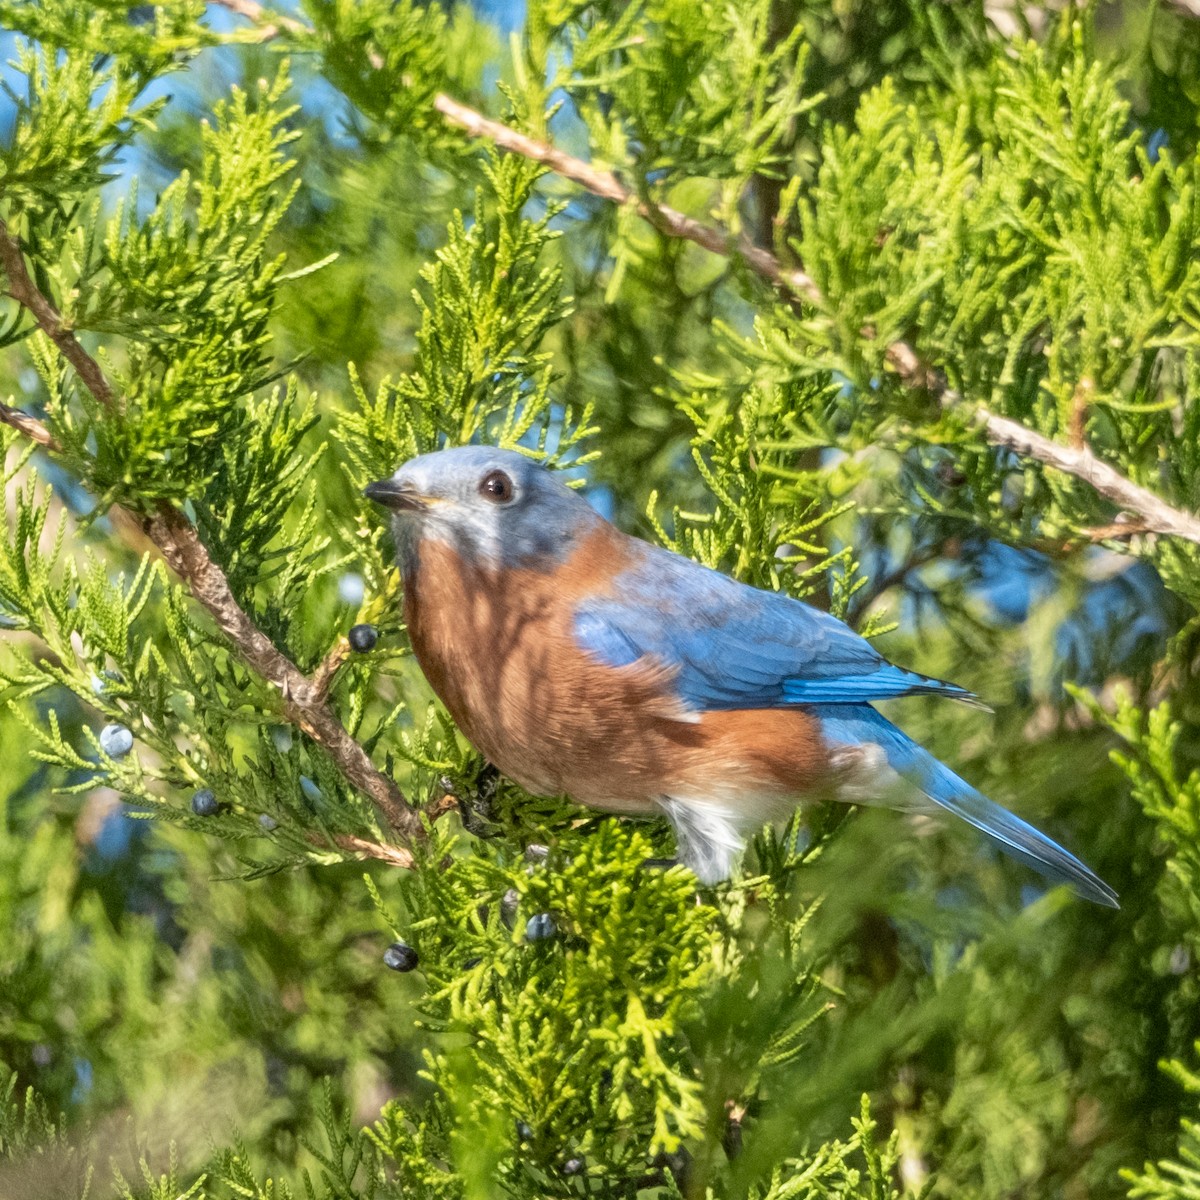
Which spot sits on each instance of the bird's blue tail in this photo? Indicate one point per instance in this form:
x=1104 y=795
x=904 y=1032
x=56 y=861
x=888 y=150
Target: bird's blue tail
x=856 y=725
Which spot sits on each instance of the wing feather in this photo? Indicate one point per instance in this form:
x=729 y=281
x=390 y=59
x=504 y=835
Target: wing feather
x=732 y=646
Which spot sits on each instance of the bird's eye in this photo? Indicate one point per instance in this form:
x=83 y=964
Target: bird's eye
x=496 y=487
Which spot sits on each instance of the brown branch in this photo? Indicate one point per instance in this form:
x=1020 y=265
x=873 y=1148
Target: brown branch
x=23 y=290
x=1130 y=527
x=608 y=187
x=1079 y=462
x=176 y=539
x=396 y=855
x=1081 y=402
x=322 y=677
x=31 y=427
x=591 y=178
x=876 y=588
x=1154 y=514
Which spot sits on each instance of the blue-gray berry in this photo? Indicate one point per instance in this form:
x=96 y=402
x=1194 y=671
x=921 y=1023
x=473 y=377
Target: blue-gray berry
x=400 y=957
x=539 y=927
x=363 y=638
x=310 y=789
x=573 y=1166
x=281 y=735
x=524 y=1132
x=116 y=741
x=204 y=803
x=267 y=822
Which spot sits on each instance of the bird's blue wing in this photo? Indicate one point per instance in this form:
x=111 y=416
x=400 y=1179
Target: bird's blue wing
x=733 y=646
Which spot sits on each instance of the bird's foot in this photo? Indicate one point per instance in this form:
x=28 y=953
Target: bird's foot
x=476 y=802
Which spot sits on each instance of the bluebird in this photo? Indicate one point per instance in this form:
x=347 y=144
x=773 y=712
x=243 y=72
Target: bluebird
x=585 y=662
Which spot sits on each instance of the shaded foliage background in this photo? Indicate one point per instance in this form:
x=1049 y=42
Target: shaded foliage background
x=1013 y=189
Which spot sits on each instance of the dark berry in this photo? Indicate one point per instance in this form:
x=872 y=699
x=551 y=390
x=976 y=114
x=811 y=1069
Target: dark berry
x=524 y=1133
x=204 y=803
x=268 y=822
x=363 y=638
x=471 y=964
x=116 y=741
x=573 y=1166
x=400 y=957
x=539 y=927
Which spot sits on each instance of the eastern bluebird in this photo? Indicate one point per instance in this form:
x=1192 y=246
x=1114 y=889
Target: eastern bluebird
x=585 y=662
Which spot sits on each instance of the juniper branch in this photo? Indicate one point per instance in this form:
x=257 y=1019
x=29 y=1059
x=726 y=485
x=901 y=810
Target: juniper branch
x=607 y=186
x=31 y=427
x=328 y=667
x=1154 y=514
x=23 y=290
x=793 y=282
x=1083 y=464
x=176 y=539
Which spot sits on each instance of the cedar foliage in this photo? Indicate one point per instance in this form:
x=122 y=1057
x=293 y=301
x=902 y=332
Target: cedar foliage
x=294 y=274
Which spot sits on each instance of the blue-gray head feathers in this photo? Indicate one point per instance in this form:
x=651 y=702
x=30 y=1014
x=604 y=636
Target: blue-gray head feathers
x=495 y=507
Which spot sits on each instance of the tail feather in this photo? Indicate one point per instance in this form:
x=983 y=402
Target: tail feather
x=1014 y=836
x=1009 y=832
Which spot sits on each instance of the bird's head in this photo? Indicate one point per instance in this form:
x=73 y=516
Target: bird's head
x=495 y=507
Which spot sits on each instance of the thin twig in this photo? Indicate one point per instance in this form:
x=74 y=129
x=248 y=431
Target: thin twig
x=328 y=667
x=176 y=539
x=1081 y=403
x=31 y=427
x=396 y=855
x=883 y=583
x=23 y=290
x=267 y=27
x=1154 y=514
x=608 y=187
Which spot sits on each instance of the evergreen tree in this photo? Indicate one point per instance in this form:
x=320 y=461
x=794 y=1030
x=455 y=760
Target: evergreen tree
x=894 y=307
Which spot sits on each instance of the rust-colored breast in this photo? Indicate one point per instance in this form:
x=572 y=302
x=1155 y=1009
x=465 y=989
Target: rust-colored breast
x=498 y=648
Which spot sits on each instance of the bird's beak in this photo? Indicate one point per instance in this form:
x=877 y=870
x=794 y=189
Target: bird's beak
x=399 y=497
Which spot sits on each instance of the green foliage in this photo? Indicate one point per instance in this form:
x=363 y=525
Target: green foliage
x=294 y=277
x=669 y=83
x=1167 y=797
x=835 y=1173
x=1173 y=1179
x=1020 y=230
